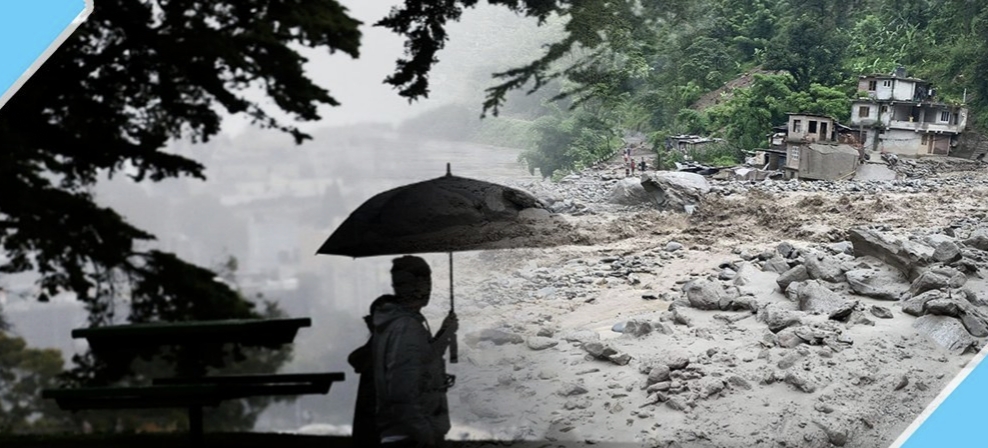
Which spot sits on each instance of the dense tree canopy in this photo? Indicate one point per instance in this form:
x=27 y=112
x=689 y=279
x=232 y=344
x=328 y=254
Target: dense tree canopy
x=24 y=372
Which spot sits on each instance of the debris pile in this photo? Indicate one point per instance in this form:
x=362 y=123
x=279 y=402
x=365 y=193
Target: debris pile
x=721 y=333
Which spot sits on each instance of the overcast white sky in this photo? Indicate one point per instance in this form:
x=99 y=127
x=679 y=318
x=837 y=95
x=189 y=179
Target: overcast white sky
x=357 y=83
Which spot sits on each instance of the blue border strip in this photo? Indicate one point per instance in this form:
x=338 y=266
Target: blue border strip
x=956 y=417
x=30 y=32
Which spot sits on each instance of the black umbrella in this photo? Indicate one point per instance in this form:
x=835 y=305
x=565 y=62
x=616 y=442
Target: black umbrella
x=447 y=214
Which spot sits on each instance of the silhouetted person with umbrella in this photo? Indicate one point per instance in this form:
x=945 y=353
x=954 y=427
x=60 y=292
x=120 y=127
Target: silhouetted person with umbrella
x=442 y=215
x=409 y=371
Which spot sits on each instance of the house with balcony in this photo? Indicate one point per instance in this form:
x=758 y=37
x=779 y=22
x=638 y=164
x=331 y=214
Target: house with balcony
x=901 y=115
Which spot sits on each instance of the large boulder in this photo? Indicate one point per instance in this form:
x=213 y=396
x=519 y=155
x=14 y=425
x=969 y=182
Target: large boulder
x=936 y=239
x=918 y=250
x=947 y=252
x=794 y=275
x=629 y=191
x=776 y=264
x=637 y=328
x=940 y=278
x=975 y=325
x=778 y=318
x=908 y=258
x=875 y=284
x=582 y=336
x=814 y=297
x=945 y=331
x=916 y=306
x=928 y=281
x=824 y=267
x=978 y=239
x=704 y=295
x=678 y=191
x=956 y=278
x=944 y=307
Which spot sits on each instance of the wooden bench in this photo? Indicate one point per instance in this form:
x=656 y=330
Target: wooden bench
x=197 y=391
x=187 y=392
x=252 y=332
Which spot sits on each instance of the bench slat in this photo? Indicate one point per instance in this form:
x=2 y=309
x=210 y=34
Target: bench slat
x=79 y=404
x=245 y=391
x=261 y=332
x=136 y=391
x=141 y=397
x=312 y=378
x=172 y=396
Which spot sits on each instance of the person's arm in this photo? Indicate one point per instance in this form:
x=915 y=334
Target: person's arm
x=441 y=342
x=408 y=345
x=445 y=334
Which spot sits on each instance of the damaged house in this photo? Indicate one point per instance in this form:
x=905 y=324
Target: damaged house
x=688 y=144
x=817 y=147
x=901 y=115
x=803 y=128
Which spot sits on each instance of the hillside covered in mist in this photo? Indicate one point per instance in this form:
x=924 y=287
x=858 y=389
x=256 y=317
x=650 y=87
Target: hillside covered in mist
x=668 y=76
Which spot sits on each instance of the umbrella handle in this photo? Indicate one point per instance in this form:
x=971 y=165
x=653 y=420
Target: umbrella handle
x=454 y=350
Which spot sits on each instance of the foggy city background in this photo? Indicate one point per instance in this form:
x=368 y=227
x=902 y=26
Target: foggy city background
x=270 y=203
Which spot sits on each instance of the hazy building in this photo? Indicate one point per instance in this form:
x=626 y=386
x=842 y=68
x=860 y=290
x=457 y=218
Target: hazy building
x=902 y=115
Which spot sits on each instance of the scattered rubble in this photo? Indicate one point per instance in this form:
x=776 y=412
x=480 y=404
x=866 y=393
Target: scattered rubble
x=720 y=331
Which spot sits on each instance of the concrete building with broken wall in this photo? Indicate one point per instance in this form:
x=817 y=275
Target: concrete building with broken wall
x=901 y=115
x=817 y=147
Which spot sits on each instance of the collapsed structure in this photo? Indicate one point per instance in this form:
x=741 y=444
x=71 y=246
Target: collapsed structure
x=815 y=147
x=687 y=144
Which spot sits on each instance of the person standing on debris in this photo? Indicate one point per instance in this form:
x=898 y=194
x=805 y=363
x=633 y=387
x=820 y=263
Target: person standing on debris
x=632 y=163
x=643 y=166
x=409 y=371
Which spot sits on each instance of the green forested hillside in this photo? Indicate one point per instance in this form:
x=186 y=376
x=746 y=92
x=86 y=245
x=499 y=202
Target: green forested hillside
x=654 y=67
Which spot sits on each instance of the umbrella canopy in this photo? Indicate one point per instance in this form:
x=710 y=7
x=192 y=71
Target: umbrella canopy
x=446 y=214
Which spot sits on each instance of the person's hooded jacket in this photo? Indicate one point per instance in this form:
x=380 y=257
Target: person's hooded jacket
x=409 y=377
x=365 y=410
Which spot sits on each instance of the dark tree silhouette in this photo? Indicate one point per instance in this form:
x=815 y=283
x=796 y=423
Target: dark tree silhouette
x=133 y=77
x=590 y=24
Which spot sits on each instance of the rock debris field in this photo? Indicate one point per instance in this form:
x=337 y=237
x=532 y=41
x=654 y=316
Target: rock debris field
x=726 y=314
